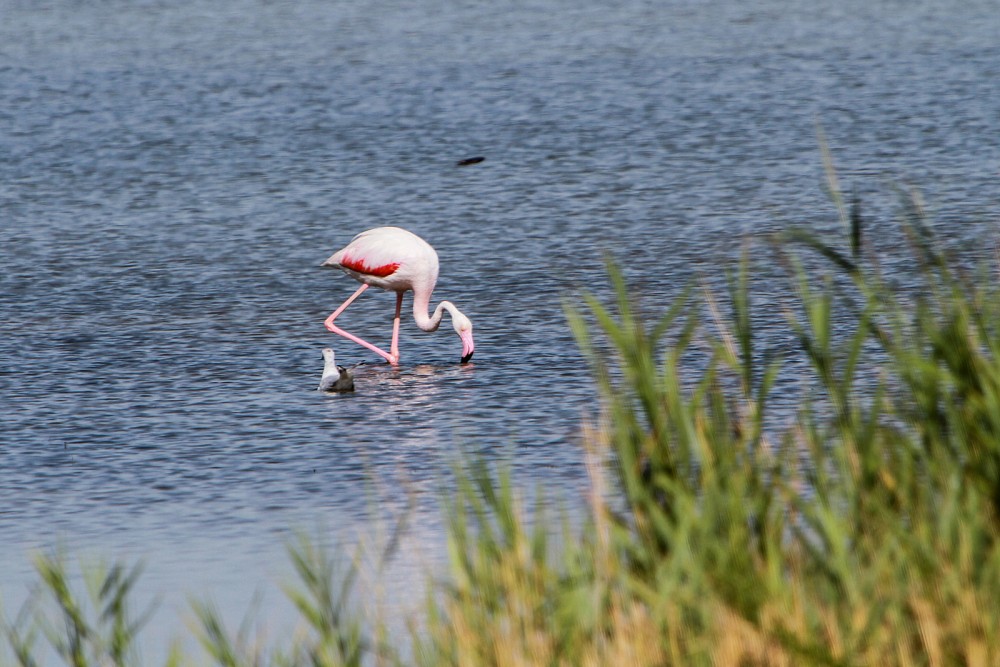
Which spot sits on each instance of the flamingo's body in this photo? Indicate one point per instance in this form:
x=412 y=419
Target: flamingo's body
x=335 y=378
x=398 y=260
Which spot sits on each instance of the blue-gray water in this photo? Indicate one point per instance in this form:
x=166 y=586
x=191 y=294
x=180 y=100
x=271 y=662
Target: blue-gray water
x=173 y=173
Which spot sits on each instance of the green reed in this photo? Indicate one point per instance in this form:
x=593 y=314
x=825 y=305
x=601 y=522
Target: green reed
x=863 y=532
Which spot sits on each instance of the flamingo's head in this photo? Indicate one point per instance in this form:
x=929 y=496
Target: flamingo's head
x=463 y=327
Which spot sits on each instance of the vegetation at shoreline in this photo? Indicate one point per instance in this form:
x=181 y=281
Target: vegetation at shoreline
x=863 y=530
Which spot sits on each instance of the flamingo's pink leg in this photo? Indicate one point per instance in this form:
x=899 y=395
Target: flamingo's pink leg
x=394 y=347
x=330 y=326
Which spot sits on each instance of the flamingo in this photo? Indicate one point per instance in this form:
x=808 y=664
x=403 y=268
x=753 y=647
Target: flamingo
x=395 y=259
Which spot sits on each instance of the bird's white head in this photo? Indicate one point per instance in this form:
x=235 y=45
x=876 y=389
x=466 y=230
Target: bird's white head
x=330 y=364
x=463 y=327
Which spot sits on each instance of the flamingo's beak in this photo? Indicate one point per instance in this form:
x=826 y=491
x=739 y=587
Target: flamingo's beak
x=468 y=347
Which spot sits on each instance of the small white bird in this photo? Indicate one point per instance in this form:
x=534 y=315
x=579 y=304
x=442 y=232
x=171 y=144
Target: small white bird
x=335 y=378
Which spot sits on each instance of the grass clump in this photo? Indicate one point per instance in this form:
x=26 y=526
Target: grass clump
x=96 y=628
x=860 y=528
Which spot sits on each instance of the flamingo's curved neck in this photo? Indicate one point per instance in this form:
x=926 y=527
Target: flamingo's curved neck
x=421 y=302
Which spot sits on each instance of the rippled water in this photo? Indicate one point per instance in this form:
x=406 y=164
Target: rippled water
x=172 y=174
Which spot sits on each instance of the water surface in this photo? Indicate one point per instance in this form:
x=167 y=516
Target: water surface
x=172 y=174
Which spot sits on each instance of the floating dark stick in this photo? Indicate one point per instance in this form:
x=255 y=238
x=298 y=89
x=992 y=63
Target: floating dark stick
x=856 y=225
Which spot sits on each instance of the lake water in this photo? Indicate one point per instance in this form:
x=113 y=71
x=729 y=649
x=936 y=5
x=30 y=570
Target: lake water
x=173 y=173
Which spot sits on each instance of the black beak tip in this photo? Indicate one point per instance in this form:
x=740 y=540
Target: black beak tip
x=466 y=358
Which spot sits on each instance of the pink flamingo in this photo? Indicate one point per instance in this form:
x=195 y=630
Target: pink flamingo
x=398 y=260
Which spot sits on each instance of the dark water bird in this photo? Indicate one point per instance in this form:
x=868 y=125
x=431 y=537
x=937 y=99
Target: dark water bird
x=335 y=378
x=398 y=260
x=469 y=160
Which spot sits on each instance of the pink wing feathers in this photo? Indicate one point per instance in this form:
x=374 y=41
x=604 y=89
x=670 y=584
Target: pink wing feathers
x=388 y=257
